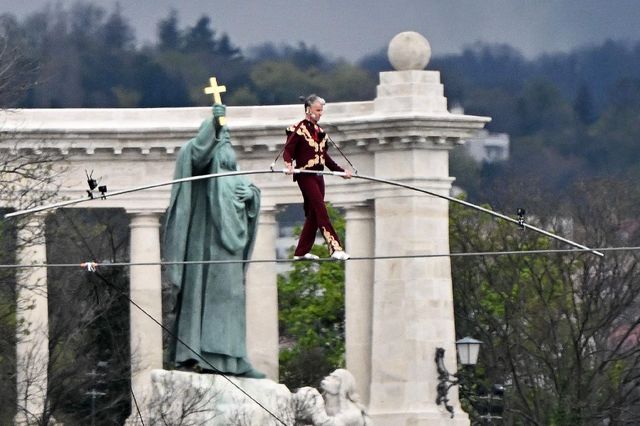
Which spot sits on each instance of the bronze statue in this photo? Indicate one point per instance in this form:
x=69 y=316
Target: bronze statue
x=211 y=220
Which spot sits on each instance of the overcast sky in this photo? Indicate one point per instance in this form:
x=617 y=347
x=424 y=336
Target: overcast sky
x=354 y=28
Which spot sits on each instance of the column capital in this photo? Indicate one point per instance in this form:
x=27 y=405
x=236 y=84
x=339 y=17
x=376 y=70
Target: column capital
x=268 y=208
x=144 y=212
x=362 y=210
x=144 y=219
x=268 y=214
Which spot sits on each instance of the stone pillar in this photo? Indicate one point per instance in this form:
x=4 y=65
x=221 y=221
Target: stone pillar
x=412 y=298
x=146 y=291
x=360 y=240
x=32 y=315
x=262 y=299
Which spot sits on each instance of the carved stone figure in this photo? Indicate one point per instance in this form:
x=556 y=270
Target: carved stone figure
x=338 y=405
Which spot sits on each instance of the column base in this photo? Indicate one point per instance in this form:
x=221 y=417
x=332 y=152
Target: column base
x=424 y=418
x=22 y=419
x=176 y=397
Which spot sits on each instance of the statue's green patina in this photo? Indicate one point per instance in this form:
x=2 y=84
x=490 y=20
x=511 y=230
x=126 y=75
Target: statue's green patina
x=212 y=219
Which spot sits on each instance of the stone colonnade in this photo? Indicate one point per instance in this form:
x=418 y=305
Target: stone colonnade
x=397 y=310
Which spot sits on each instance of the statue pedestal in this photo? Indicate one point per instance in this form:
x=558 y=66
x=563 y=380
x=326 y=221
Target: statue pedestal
x=177 y=397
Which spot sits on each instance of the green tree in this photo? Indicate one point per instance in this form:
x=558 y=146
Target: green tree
x=542 y=107
x=17 y=68
x=465 y=169
x=611 y=148
x=282 y=82
x=8 y=326
x=200 y=37
x=27 y=179
x=557 y=328
x=346 y=82
x=117 y=34
x=89 y=317
x=311 y=316
x=302 y=56
x=169 y=35
x=583 y=105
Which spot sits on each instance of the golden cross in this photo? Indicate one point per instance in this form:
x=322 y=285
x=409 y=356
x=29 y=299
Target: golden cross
x=215 y=90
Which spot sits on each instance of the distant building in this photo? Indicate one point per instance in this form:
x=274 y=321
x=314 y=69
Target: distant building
x=488 y=147
x=484 y=146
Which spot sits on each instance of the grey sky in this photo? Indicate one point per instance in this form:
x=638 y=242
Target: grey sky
x=353 y=28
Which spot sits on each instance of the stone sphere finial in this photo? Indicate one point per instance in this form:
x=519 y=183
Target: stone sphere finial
x=409 y=50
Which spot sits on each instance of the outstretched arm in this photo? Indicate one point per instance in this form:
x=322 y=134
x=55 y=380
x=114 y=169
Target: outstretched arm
x=209 y=135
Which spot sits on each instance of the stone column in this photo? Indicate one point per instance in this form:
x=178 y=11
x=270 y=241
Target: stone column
x=32 y=315
x=262 y=299
x=360 y=240
x=146 y=292
x=413 y=300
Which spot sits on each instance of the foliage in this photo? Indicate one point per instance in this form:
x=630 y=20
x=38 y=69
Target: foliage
x=311 y=315
x=86 y=57
x=27 y=179
x=8 y=326
x=16 y=69
x=559 y=330
x=89 y=317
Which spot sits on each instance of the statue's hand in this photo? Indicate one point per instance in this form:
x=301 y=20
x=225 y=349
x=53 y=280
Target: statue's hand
x=308 y=403
x=243 y=192
x=219 y=110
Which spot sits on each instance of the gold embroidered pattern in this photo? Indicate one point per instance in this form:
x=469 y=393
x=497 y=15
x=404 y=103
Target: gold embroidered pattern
x=318 y=147
x=333 y=244
x=315 y=160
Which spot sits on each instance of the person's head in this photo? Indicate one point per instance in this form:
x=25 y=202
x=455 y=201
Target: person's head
x=340 y=388
x=314 y=107
x=341 y=382
x=224 y=157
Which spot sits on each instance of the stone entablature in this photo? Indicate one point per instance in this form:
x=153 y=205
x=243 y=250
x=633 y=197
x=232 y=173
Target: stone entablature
x=119 y=131
x=132 y=147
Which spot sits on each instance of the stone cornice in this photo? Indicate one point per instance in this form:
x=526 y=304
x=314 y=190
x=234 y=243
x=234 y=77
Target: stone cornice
x=126 y=146
x=354 y=125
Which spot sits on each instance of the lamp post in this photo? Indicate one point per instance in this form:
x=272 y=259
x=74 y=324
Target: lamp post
x=468 y=350
x=491 y=405
x=97 y=379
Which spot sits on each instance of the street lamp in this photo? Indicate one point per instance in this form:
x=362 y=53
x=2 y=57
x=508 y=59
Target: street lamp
x=468 y=349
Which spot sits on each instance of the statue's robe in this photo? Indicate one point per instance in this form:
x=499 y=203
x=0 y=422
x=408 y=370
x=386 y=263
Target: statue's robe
x=207 y=221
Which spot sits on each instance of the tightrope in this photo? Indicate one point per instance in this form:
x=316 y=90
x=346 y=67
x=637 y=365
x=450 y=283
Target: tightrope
x=521 y=224
x=92 y=266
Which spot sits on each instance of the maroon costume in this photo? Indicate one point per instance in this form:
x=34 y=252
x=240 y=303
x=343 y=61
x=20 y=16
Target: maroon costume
x=307 y=144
